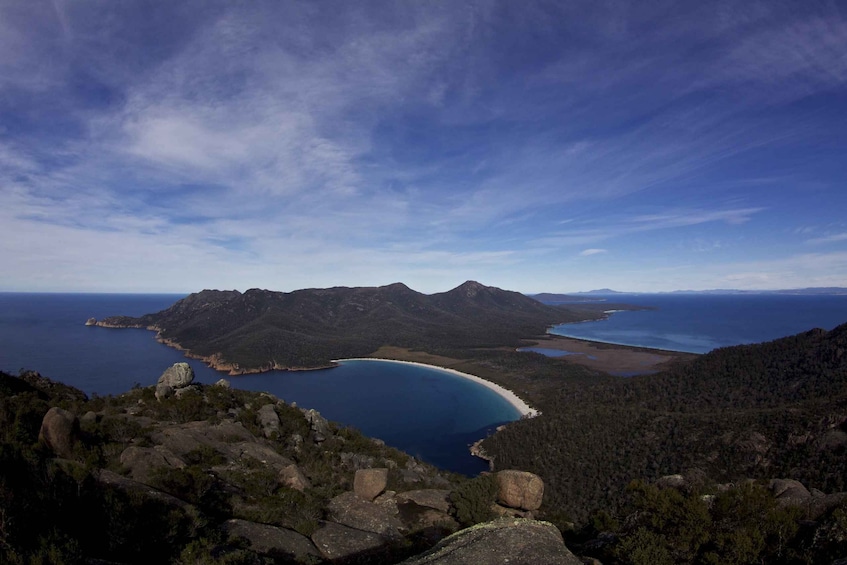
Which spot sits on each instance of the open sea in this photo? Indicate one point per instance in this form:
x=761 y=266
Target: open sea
x=699 y=323
x=427 y=413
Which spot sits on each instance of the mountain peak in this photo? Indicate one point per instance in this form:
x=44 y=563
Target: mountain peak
x=470 y=288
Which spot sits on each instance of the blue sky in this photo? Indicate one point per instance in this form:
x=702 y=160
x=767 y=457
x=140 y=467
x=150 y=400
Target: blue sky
x=534 y=146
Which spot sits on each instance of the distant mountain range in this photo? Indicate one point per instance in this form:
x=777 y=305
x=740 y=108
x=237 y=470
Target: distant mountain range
x=829 y=291
x=261 y=330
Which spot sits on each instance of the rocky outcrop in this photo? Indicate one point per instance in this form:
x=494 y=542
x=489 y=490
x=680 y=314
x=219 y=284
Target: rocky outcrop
x=370 y=483
x=377 y=517
x=175 y=377
x=223 y=383
x=318 y=424
x=336 y=542
x=438 y=499
x=272 y=541
x=141 y=462
x=513 y=541
x=111 y=479
x=178 y=375
x=520 y=489
x=59 y=431
x=269 y=420
x=91 y=322
x=788 y=492
x=229 y=439
x=292 y=477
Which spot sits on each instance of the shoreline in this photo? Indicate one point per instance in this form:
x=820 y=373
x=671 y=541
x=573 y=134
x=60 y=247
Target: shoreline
x=525 y=410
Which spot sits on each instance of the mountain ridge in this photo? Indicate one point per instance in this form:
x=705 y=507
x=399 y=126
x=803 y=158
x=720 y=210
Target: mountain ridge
x=260 y=330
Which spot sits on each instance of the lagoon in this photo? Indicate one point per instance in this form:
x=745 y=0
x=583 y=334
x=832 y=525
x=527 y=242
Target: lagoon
x=698 y=323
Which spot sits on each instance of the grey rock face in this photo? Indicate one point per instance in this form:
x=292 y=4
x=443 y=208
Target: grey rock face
x=319 y=425
x=520 y=489
x=335 y=541
x=223 y=383
x=512 y=541
x=272 y=541
x=177 y=375
x=269 y=420
x=59 y=431
x=350 y=510
x=369 y=483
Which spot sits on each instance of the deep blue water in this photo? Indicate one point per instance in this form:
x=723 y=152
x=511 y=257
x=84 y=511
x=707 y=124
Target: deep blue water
x=425 y=412
x=700 y=323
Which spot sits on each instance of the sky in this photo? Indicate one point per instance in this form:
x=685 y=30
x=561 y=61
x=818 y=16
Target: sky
x=151 y=146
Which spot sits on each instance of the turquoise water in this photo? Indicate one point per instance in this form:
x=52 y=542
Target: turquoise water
x=700 y=323
x=426 y=412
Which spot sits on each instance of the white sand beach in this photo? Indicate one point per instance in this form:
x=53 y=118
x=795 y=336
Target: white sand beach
x=513 y=399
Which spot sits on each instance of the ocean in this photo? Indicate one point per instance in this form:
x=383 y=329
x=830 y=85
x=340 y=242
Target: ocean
x=427 y=413
x=698 y=323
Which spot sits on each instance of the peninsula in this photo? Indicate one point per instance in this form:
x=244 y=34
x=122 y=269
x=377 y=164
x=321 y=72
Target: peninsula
x=262 y=330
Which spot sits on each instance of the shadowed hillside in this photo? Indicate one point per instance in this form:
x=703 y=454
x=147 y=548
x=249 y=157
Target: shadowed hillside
x=261 y=329
x=776 y=409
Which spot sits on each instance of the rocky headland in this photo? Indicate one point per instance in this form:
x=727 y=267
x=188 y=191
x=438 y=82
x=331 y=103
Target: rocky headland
x=235 y=476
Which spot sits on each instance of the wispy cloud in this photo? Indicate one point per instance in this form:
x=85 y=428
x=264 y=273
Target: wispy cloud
x=592 y=251
x=834 y=238
x=298 y=146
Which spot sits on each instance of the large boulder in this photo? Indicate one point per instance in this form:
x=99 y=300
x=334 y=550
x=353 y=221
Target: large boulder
x=272 y=541
x=350 y=510
x=336 y=542
x=370 y=483
x=59 y=431
x=177 y=376
x=789 y=492
x=269 y=420
x=519 y=489
x=319 y=425
x=292 y=477
x=512 y=540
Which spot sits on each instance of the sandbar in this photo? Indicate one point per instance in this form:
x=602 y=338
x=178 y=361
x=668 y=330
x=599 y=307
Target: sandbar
x=525 y=409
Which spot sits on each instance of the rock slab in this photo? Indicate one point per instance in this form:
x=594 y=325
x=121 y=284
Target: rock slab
x=272 y=541
x=520 y=489
x=350 y=510
x=335 y=541
x=512 y=541
x=370 y=483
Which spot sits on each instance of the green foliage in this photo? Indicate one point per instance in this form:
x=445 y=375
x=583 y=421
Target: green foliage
x=739 y=526
x=644 y=547
x=473 y=499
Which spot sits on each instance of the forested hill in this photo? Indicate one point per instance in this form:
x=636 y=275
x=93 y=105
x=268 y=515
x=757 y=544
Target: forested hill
x=262 y=329
x=776 y=409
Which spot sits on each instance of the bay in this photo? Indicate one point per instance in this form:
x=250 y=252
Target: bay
x=698 y=323
x=428 y=413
